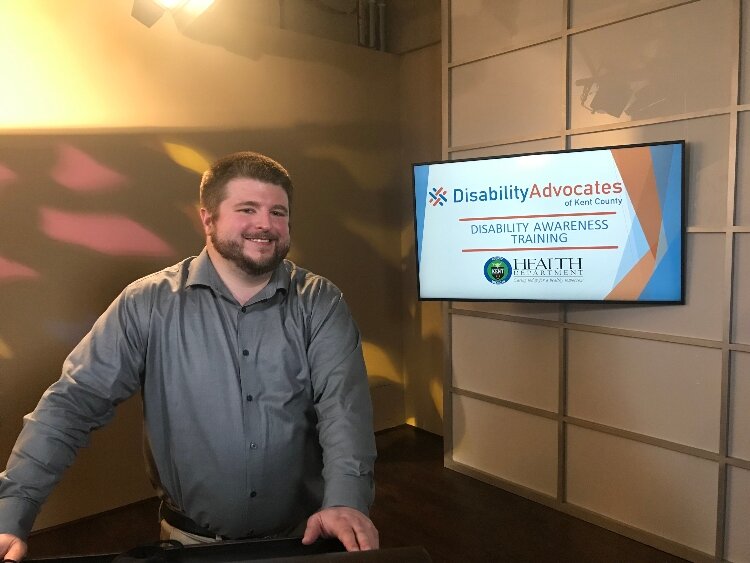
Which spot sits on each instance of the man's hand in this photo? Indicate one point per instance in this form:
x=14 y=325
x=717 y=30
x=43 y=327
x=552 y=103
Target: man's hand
x=352 y=528
x=11 y=547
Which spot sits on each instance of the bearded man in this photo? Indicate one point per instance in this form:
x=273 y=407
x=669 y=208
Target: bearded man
x=257 y=413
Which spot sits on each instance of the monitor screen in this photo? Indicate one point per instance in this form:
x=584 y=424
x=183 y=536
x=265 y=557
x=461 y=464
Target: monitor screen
x=588 y=225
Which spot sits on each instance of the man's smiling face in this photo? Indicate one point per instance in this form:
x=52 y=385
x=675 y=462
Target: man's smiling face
x=251 y=226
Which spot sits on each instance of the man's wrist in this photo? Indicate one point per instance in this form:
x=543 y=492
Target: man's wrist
x=352 y=492
x=17 y=516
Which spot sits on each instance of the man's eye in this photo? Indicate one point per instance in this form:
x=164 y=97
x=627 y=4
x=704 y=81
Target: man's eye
x=280 y=213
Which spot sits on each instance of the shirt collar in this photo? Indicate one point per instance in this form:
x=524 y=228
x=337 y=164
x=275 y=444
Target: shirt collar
x=202 y=272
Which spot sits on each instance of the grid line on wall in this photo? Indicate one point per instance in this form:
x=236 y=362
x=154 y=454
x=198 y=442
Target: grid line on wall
x=724 y=463
x=528 y=45
x=655 y=7
x=719 y=230
x=617 y=126
x=605 y=428
x=729 y=231
x=521 y=407
x=598 y=329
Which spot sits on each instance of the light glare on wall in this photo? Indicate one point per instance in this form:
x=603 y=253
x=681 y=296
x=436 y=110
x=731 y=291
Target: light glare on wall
x=148 y=12
x=168 y=4
x=188 y=10
x=196 y=7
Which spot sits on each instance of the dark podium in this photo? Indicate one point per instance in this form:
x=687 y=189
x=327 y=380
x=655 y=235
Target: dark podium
x=271 y=551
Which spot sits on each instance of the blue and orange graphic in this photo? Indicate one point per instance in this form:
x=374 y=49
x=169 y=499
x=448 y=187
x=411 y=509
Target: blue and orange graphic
x=652 y=177
x=437 y=196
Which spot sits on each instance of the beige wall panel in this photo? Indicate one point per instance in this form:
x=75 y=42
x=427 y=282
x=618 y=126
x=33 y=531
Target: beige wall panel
x=697 y=318
x=667 y=63
x=738 y=515
x=667 y=493
x=741 y=295
x=499 y=98
x=541 y=145
x=742 y=198
x=745 y=55
x=588 y=12
x=546 y=311
x=660 y=389
x=739 y=407
x=706 y=156
x=511 y=445
x=512 y=361
x=480 y=28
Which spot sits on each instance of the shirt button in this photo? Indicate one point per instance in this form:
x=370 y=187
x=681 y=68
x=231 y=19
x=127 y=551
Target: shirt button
x=253 y=446
x=244 y=309
x=245 y=352
x=249 y=397
x=253 y=494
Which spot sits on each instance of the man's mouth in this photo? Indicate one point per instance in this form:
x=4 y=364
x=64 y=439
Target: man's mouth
x=259 y=239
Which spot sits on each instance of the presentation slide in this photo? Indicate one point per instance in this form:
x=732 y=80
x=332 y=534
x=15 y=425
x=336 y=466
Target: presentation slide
x=588 y=225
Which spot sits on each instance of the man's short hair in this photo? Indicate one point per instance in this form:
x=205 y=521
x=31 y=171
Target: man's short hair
x=245 y=164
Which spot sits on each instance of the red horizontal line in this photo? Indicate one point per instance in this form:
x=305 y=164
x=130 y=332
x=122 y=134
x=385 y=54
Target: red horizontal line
x=540 y=248
x=538 y=216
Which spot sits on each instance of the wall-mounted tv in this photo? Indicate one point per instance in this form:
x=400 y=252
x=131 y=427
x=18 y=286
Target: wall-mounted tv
x=590 y=225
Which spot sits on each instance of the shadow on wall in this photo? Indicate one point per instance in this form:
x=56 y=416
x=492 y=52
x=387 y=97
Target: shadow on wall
x=88 y=214
x=424 y=345
x=639 y=87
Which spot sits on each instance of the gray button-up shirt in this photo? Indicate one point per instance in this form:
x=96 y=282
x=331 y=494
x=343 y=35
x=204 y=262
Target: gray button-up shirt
x=256 y=415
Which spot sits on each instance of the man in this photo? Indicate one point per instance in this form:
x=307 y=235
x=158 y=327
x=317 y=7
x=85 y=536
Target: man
x=257 y=412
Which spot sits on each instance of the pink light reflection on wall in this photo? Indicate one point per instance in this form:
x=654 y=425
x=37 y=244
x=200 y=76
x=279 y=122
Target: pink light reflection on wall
x=13 y=270
x=6 y=175
x=77 y=170
x=114 y=235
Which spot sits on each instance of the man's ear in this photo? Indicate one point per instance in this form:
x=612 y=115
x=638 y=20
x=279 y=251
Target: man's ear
x=207 y=219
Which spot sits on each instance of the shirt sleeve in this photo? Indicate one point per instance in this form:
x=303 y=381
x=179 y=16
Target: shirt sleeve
x=101 y=372
x=343 y=406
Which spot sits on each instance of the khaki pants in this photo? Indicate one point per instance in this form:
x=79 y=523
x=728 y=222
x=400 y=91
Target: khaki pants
x=169 y=532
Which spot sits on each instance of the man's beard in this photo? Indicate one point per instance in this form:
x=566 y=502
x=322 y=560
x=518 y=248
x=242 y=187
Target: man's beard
x=232 y=250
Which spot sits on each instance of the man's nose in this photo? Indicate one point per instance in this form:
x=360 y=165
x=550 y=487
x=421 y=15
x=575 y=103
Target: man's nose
x=262 y=221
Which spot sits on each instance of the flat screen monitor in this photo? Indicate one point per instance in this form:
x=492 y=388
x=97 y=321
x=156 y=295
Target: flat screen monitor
x=591 y=225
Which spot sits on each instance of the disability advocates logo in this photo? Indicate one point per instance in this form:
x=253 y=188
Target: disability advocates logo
x=438 y=197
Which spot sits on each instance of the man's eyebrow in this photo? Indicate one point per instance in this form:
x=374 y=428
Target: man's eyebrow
x=252 y=203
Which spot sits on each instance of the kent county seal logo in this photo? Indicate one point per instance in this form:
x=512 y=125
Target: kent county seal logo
x=497 y=270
